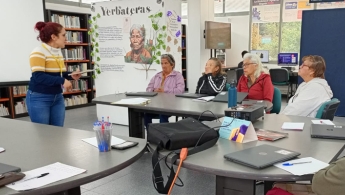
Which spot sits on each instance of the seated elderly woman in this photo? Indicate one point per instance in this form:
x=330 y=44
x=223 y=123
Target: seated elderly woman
x=254 y=80
x=313 y=92
x=213 y=80
x=166 y=81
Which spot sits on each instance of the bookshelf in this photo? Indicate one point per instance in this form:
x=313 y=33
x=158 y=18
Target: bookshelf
x=184 y=56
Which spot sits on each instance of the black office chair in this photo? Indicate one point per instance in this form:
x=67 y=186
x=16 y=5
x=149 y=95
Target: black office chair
x=280 y=77
x=239 y=73
x=330 y=108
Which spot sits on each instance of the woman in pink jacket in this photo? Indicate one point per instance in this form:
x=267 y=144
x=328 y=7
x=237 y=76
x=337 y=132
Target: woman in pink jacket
x=166 y=81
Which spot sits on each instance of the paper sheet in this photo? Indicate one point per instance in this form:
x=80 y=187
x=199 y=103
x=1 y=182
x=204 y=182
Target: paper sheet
x=293 y=126
x=81 y=72
x=114 y=141
x=205 y=99
x=57 y=172
x=303 y=169
x=322 y=122
x=132 y=101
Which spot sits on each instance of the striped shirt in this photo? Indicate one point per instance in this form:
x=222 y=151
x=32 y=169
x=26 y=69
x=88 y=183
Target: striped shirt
x=48 y=70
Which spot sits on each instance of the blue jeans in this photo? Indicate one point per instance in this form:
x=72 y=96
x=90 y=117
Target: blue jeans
x=46 y=109
x=148 y=119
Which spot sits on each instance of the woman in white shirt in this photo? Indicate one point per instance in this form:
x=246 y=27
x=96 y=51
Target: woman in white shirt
x=313 y=92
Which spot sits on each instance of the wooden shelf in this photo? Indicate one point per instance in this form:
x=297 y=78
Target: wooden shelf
x=183 y=36
x=76 y=44
x=183 y=58
x=78 y=61
x=19 y=96
x=76 y=29
x=183 y=69
x=75 y=92
x=183 y=48
x=4 y=99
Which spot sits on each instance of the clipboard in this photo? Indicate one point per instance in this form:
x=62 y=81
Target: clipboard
x=81 y=72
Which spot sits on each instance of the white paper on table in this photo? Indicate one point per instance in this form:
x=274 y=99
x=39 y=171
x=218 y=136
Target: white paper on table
x=114 y=141
x=132 y=101
x=293 y=126
x=57 y=172
x=205 y=99
x=303 y=169
x=322 y=122
x=81 y=72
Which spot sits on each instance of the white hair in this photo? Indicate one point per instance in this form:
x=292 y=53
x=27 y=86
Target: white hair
x=137 y=27
x=253 y=58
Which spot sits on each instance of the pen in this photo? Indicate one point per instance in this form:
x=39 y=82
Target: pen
x=290 y=164
x=42 y=175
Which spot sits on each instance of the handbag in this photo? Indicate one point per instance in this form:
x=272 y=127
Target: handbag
x=186 y=133
x=10 y=177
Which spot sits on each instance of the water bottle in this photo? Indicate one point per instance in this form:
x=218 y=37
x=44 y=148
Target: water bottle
x=232 y=95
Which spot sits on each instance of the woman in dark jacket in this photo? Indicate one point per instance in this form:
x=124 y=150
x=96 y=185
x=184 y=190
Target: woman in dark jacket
x=213 y=80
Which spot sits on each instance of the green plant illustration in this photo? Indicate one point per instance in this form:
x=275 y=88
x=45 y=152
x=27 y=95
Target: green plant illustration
x=155 y=43
x=95 y=45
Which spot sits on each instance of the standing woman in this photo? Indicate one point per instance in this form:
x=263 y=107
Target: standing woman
x=44 y=99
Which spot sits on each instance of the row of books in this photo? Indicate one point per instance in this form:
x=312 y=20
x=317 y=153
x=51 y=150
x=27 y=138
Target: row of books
x=74 y=37
x=80 y=67
x=76 y=100
x=20 y=90
x=3 y=110
x=20 y=107
x=66 y=21
x=77 y=53
x=80 y=85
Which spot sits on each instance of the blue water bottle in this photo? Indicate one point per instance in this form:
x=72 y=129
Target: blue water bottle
x=232 y=95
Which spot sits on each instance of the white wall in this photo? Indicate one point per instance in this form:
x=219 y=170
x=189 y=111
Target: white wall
x=68 y=8
x=240 y=37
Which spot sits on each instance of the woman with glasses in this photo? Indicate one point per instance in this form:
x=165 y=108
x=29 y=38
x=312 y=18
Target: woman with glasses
x=166 y=81
x=254 y=80
x=313 y=92
x=213 y=80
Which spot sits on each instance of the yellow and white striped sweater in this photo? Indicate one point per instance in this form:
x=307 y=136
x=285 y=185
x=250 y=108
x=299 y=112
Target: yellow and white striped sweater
x=48 y=70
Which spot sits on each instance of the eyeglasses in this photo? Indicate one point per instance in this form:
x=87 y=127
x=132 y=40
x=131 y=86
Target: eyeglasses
x=247 y=64
x=303 y=65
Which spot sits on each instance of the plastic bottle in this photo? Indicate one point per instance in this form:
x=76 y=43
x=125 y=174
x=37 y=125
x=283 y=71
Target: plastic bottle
x=232 y=95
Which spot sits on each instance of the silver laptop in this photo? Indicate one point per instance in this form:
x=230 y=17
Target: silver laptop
x=327 y=131
x=191 y=95
x=4 y=168
x=262 y=156
x=223 y=97
x=145 y=94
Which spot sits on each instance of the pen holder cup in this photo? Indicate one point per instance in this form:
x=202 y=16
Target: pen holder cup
x=104 y=139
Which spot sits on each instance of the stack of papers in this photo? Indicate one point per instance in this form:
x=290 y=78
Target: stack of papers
x=114 y=141
x=309 y=166
x=322 y=122
x=51 y=173
x=205 y=99
x=132 y=101
x=293 y=126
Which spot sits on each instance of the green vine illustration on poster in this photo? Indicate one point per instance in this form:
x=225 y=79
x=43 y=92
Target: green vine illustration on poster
x=95 y=45
x=155 y=43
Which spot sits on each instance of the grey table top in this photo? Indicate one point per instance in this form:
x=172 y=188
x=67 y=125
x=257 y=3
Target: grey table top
x=211 y=161
x=29 y=146
x=171 y=104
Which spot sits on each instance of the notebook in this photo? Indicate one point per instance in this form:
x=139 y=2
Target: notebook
x=223 y=97
x=4 y=168
x=191 y=95
x=262 y=156
x=147 y=94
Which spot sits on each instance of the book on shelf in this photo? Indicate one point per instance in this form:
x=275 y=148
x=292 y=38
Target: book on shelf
x=77 y=53
x=269 y=135
x=3 y=110
x=20 y=90
x=66 y=21
x=76 y=100
x=20 y=107
x=81 y=67
x=74 y=37
x=80 y=85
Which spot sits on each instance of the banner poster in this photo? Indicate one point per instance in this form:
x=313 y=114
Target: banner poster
x=292 y=10
x=330 y=5
x=128 y=38
x=265 y=11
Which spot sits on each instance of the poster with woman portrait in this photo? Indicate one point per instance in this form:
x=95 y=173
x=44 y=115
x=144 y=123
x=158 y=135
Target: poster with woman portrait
x=128 y=38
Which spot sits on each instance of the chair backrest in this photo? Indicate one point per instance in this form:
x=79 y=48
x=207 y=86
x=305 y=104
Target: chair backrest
x=327 y=109
x=239 y=73
x=279 y=75
x=277 y=101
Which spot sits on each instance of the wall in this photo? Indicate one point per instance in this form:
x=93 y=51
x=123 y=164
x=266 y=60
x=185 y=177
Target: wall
x=68 y=8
